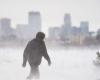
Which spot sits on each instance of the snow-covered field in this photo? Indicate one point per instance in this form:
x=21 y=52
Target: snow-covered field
x=67 y=64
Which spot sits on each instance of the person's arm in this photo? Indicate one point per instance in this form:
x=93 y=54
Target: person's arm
x=24 y=59
x=25 y=55
x=45 y=54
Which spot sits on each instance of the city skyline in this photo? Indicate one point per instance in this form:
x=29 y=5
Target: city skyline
x=65 y=32
x=52 y=11
x=22 y=31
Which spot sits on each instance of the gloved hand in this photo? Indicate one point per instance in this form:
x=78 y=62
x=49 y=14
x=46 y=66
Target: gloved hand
x=24 y=65
x=49 y=63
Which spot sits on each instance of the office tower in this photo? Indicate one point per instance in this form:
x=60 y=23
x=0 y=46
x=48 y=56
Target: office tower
x=84 y=26
x=28 y=31
x=34 y=21
x=5 y=24
x=67 y=20
x=66 y=27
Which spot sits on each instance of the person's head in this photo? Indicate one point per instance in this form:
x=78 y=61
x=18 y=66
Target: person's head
x=40 y=35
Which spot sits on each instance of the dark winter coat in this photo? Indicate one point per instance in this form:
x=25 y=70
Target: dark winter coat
x=34 y=51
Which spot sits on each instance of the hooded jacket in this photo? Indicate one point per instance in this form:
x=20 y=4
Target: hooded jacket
x=34 y=52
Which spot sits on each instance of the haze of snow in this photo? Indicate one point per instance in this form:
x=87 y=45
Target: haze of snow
x=67 y=64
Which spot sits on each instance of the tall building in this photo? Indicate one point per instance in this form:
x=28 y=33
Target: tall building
x=34 y=21
x=28 y=31
x=5 y=24
x=67 y=20
x=84 y=26
x=66 y=27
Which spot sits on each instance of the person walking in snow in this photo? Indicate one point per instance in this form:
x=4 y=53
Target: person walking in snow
x=33 y=54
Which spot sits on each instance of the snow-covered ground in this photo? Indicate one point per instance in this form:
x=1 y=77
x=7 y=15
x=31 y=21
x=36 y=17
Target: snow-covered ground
x=67 y=64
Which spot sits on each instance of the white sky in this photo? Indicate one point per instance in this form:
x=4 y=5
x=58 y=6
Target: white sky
x=52 y=11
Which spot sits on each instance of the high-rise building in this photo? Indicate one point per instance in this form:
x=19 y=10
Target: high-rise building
x=67 y=20
x=66 y=27
x=28 y=31
x=84 y=26
x=5 y=24
x=34 y=21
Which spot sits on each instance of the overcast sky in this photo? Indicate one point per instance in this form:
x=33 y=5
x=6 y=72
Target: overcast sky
x=52 y=11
